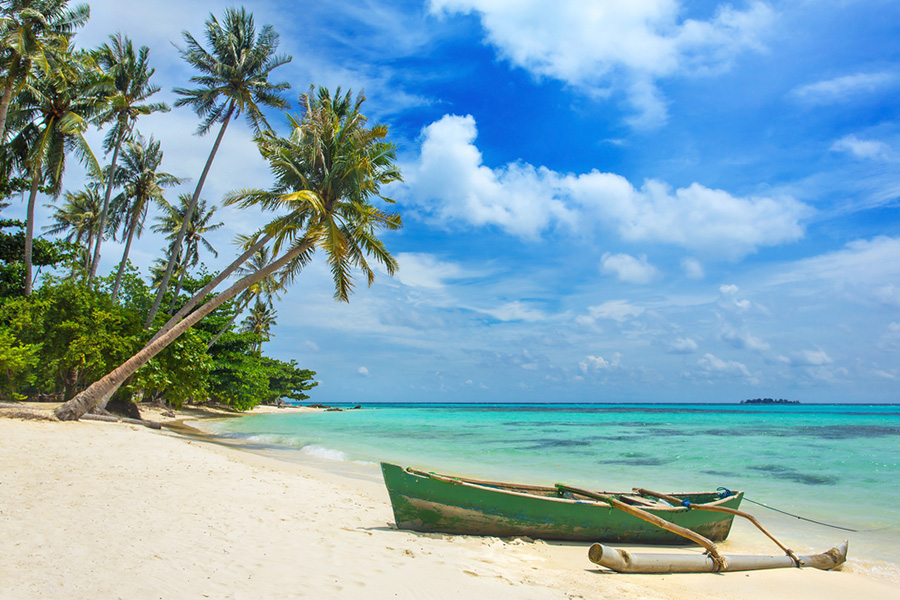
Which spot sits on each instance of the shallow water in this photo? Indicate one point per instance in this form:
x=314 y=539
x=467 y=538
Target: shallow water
x=838 y=464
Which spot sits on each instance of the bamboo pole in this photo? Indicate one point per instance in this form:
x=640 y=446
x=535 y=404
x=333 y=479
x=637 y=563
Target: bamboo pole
x=726 y=510
x=695 y=537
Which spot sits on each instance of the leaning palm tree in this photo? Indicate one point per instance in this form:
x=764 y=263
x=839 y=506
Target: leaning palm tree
x=198 y=226
x=266 y=289
x=234 y=80
x=29 y=31
x=326 y=174
x=130 y=73
x=52 y=114
x=259 y=322
x=143 y=185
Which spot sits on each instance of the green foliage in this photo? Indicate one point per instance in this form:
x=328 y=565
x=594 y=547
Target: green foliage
x=17 y=362
x=179 y=373
x=238 y=378
x=288 y=380
x=80 y=333
x=50 y=253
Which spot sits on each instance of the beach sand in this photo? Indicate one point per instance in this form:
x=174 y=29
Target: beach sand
x=109 y=510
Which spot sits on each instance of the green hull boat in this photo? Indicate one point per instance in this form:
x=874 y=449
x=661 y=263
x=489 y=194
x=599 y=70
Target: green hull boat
x=438 y=503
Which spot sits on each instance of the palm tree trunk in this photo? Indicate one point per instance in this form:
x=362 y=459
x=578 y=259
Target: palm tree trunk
x=176 y=248
x=108 y=384
x=203 y=293
x=121 y=271
x=181 y=277
x=227 y=325
x=103 y=212
x=29 y=229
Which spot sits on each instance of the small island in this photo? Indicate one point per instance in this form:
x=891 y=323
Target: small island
x=769 y=401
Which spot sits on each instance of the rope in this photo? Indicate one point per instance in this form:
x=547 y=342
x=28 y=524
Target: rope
x=801 y=518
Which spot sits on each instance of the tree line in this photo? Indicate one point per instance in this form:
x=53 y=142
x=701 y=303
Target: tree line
x=169 y=334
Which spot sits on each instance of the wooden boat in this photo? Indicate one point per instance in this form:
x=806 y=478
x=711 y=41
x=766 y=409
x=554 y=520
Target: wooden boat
x=438 y=503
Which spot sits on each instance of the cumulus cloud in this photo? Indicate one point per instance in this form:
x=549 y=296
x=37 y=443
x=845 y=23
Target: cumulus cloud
x=844 y=88
x=628 y=268
x=683 y=346
x=450 y=183
x=712 y=366
x=598 y=363
x=608 y=45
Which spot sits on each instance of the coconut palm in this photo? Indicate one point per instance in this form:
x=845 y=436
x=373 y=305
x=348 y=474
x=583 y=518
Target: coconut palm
x=78 y=218
x=130 y=73
x=259 y=322
x=266 y=289
x=52 y=113
x=143 y=185
x=198 y=225
x=29 y=31
x=326 y=173
x=233 y=80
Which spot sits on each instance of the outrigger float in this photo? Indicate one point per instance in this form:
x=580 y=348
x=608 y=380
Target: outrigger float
x=430 y=502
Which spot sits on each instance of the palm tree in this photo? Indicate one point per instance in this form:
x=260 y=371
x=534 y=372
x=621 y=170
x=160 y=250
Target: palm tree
x=29 y=30
x=79 y=217
x=53 y=112
x=234 y=79
x=198 y=225
x=326 y=173
x=130 y=73
x=143 y=184
x=259 y=322
x=267 y=288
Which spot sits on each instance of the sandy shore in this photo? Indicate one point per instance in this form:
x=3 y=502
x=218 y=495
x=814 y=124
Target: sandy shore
x=105 y=510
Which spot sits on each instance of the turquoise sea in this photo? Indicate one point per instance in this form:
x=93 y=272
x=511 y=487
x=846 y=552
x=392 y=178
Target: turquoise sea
x=837 y=464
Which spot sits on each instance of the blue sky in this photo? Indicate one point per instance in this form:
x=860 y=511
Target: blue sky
x=603 y=201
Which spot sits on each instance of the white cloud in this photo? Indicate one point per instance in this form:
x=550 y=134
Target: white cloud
x=609 y=44
x=425 y=270
x=841 y=89
x=693 y=268
x=598 y=363
x=683 y=346
x=628 y=268
x=450 y=183
x=514 y=311
x=713 y=366
x=865 y=270
x=617 y=310
x=810 y=358
x=866 y=149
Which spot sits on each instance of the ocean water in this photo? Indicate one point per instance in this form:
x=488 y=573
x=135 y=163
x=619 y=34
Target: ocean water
x=836 y=464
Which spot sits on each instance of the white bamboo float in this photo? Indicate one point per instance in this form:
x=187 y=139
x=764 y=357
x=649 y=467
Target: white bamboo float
x=626 y=562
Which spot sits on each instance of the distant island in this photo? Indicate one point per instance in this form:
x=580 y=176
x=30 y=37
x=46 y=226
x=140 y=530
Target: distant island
x=769 y=401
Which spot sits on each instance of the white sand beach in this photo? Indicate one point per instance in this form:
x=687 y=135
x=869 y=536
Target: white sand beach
x=104 y=510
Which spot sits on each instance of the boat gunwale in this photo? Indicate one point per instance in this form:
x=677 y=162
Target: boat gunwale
x=492 y=486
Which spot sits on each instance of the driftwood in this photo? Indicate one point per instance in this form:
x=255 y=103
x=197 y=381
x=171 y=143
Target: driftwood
x=112 y=419
x=626 y=562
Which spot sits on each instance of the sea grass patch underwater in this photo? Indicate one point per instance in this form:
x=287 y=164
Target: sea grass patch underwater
x=838 y=464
